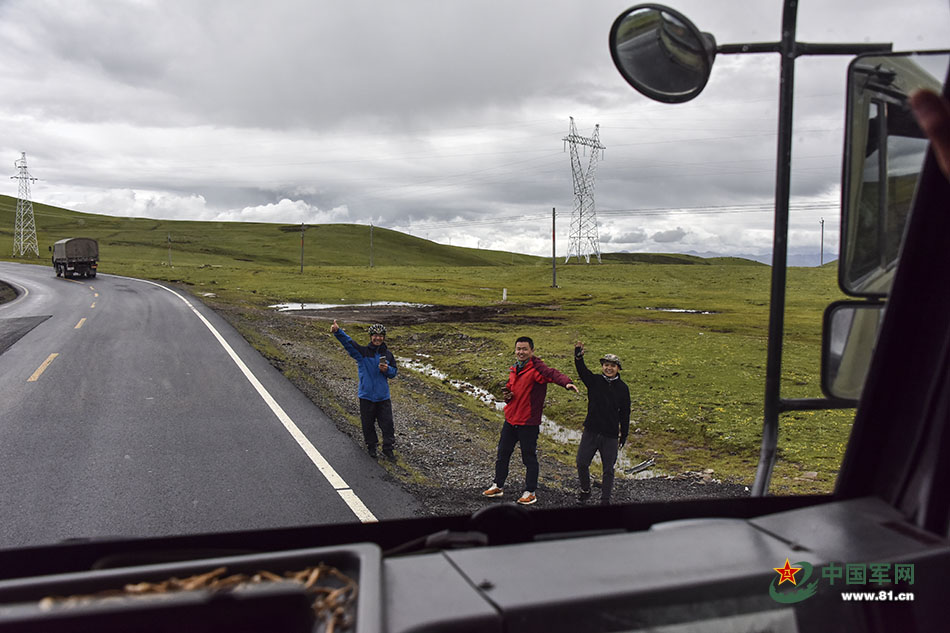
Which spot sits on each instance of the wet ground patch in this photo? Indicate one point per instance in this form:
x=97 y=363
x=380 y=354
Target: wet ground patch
x=509 y=314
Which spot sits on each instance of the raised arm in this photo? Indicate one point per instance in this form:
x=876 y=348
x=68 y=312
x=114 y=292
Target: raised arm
x=579 y=364
x=346 y=341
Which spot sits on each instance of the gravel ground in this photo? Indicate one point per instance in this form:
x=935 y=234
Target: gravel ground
x=445 y=446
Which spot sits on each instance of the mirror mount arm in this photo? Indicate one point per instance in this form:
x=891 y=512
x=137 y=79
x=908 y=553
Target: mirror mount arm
x=789 y=49
x=804 y=48
x=756 y=47
x=773 y=362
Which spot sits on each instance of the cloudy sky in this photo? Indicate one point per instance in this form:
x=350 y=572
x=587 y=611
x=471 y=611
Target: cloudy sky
x=437 y=118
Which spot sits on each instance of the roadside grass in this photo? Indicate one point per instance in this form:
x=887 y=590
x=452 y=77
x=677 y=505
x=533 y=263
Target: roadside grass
x=696 y=375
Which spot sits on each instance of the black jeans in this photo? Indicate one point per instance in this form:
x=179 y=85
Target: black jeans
x=527 y=436
x=591 y=443
x=381 y=412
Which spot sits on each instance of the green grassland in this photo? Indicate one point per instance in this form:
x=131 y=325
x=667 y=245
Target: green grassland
x=696 y=379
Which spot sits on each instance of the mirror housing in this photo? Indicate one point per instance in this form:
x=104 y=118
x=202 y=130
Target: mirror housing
x=884 y=153
x=849 y=333
x=661 y=53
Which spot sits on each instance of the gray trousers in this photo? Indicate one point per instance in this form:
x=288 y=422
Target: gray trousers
x=607 y=446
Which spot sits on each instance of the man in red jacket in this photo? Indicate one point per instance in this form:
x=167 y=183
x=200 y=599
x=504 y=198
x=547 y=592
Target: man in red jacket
x=524 y=395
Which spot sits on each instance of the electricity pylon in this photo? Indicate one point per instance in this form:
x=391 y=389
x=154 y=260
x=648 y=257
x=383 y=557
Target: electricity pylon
x=24 y=229
x=584 y=239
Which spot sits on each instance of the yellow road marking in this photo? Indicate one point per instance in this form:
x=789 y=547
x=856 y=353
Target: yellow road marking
x=95 y=294
x=93 y=305
x=42 y=368
x=79 y=325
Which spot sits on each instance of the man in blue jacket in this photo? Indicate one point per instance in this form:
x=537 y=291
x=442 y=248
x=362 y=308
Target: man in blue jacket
x=375 y=366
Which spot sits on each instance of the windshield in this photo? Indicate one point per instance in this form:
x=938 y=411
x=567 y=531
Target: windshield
x=262 y=187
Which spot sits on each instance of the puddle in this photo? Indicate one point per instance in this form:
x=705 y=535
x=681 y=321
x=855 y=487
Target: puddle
x=549 y=428
x=287 y=307
x=682 y=310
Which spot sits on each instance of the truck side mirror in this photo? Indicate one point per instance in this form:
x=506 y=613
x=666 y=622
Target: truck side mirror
x=661 y=53
x=884 y=153
x=847 y=345
x=883 y=156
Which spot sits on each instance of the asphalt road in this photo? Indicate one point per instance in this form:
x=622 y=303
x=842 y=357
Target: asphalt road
x=130 y=409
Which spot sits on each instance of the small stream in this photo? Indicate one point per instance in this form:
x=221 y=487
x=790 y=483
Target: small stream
x=681 y=310
x=550 y=428
x=288 y=307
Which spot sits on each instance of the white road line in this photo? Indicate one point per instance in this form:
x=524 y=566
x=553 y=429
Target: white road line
x=342 y=488
x=357 y=506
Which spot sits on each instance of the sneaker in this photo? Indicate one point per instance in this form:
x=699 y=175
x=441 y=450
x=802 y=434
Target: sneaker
x=494 y=491
x=389 y=454
x=527 y=498
x=372 y=451
x=583 y=495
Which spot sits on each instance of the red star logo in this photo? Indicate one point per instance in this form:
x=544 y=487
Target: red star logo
x=787 y=572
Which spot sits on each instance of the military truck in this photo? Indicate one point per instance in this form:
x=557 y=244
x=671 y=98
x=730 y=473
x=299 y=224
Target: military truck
x=75 y=256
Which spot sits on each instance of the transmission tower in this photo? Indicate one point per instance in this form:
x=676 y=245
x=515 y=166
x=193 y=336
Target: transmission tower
x=584 y=240
x=24 y=230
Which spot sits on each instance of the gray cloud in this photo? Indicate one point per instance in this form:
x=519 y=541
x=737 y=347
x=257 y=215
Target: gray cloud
x=631 y=237
x=666 y=237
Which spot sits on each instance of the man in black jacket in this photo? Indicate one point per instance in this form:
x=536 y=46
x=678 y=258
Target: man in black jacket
x=607 y=422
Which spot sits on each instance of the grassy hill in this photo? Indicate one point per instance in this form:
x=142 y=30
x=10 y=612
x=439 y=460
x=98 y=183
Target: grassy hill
x=675 y=258
x=129 y=240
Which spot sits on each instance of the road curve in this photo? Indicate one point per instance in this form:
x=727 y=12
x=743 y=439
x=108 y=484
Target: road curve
x=129 y=409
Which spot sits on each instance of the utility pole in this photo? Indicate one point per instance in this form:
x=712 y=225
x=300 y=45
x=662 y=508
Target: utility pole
x=370 y=245
x=169 y=250
x=302 y=229
x=24 y=228
x=821 y=257
x=553 y=249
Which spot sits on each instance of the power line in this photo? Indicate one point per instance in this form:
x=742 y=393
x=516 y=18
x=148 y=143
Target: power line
x=766 y=207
